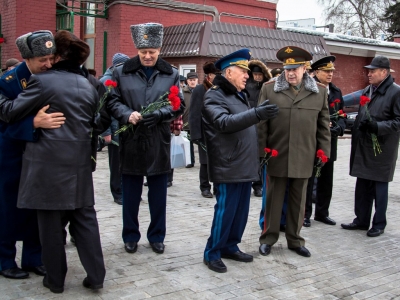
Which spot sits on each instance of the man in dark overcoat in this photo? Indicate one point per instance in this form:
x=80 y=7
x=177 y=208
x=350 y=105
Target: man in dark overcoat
x=195 y=124
x=375 y=170
x=323 y=69
x=37 y=49
x=230 y=136
x=301 y=128
x=145 y=150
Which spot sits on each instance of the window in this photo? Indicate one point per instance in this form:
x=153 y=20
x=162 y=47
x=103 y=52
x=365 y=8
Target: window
x=185 y=69
x=89 y=33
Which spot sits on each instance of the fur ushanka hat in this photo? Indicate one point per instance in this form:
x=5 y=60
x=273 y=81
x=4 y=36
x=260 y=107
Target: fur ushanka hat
x=36 y=44
x=70 y=47
x=148 y=35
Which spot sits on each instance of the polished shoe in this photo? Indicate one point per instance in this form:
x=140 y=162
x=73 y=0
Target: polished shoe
x=55 y=290
x=157 y=247
x=118 y=201
x=189 y=166
x=373 y=232
x=216 y=265
x=207 y=194
x=307 y=222
x=146 y=184
x=303 y=251
x=88 y=285
x=258 y=192
x=131 y=247
x=169 y=184
x=353 y=226
x=39 y=270
x=238 y=256
x=14 y=273
x=282 y=228
x=325 y=220
x=264 y=249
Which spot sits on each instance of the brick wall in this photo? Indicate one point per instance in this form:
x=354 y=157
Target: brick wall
x=20 y=17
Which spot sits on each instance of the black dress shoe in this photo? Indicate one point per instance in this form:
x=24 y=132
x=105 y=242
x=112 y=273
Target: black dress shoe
x=169 y=184
x=14 y=273
x=146 y=184
x=353 y=226
x=189 y=166
x=282 y=228
x=88 y=285
x=258 y=192
x=216 y=265
x=118 y=201
x=303 y=251
x=157 y=247
x=325 y=220
x=373 y=232
x=238 y=256
x=307 y=222
x=207 y=194
x=39 y=270
x=131 y=247
x=264 y=249
x=55 y=290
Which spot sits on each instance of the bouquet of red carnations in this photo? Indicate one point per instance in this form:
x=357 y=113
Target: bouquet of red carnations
x=268 y=153
x=322 y=159
x=168 y=98
x=364 y=100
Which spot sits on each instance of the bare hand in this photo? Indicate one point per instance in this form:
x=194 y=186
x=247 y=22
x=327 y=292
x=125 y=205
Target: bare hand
x=107 y=139
x=135 y=117
x=48 y=121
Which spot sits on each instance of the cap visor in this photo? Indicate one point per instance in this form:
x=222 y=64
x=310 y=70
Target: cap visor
x=371 y=67
x=291 y=66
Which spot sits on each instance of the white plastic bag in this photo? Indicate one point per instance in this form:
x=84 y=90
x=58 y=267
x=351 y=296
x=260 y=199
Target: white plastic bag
x=188 y=159
x=177 y=152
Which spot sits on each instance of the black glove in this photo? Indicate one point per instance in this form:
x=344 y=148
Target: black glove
x=336 y=131
x=266 y=111
x=370 y=126
x=152 y=119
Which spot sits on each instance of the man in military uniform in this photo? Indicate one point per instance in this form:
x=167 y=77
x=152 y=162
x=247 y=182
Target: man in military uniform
x=37 y=49
x=232 y=156
x=301 y=128
x=323 y=69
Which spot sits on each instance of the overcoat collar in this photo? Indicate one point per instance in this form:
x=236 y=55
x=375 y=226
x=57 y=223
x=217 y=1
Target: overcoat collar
x=228 y=87
x=309 y=87
x=133 y=65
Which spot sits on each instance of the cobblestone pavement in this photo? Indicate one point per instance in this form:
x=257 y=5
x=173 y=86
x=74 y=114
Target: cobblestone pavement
x=344 y=264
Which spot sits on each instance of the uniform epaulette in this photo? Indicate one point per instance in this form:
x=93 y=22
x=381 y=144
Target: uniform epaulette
x=215 y=87
x=7 y=77
x=320 y=84
x=269 y=82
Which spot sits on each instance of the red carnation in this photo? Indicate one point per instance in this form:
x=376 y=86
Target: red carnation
x=332 y=104
x=324 y=158
x=364 y=100
x=274 y=153
x=340 y=112
x=110 y=83
x=337 y=101
x=267 y=150
x=174 y=90
x=320 y=152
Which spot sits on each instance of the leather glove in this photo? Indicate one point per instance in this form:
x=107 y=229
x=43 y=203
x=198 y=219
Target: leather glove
x=266 y=111
x=152 y=119
x=370 y=126
x=336 y=131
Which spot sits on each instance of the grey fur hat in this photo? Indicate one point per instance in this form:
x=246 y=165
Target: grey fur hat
x=36 y=44
x=148 y=35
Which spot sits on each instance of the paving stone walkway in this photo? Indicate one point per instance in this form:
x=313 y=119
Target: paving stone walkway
x=344 y=264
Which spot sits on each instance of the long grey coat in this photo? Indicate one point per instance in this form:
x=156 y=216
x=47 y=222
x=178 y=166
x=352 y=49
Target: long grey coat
x=56 y=170
x=301 y=127
x=385 y=109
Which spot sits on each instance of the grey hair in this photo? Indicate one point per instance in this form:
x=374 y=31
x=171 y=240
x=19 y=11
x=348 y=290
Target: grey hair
x=224 y=70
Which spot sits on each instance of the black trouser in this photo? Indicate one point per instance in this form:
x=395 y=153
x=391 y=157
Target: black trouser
x=366 y=192
x=115 y=175
x=85 y=228
x=324 y=192
x=203 y=174
x=171 y=175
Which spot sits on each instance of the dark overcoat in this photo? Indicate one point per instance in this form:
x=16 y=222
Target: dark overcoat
x=230 y=133
x=15 y=224
x=146 y=151
x=384 y=108
x=196 y=131
x=56 y=171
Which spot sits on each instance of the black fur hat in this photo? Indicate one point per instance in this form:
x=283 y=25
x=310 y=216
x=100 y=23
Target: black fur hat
x=70 y=47
x=209 y=68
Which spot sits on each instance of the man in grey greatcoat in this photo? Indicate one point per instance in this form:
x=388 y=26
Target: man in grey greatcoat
x=375 y=171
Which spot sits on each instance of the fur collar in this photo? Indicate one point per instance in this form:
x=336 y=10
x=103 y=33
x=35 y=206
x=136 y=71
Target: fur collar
x=226 y=86
x=133 y=65
x=282 y=85
x=265 y=70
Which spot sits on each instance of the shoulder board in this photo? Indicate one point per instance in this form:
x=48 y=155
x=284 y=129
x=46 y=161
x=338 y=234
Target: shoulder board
x=269 y=82
x=120 y=64
x=320 y=84
x=215 y=87
x=8 y=77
